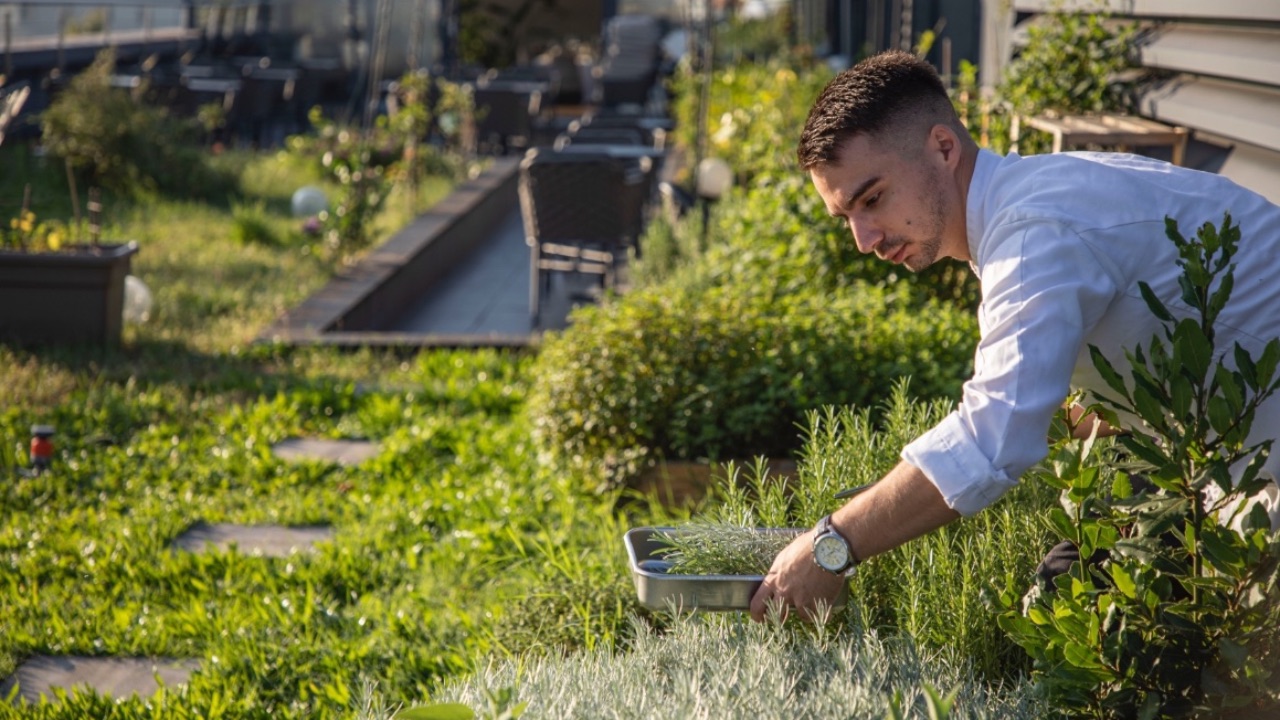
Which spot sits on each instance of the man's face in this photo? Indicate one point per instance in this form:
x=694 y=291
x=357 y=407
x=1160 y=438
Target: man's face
x=899 y=204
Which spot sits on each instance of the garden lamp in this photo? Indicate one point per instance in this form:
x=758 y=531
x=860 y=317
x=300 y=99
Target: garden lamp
x=712 y=180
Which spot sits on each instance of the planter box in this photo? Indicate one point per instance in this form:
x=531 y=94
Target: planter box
x=72 y=296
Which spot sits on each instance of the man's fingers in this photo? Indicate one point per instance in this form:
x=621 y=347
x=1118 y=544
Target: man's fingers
x=760 y=601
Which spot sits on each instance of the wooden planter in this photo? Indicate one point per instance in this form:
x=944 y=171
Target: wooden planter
x=72 y=296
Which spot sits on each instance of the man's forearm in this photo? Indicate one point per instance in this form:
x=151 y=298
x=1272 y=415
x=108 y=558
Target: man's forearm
x=901 y=507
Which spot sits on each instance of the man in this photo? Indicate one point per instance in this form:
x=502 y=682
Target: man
x=1059 y=244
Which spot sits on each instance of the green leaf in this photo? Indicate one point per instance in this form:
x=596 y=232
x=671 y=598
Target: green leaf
x=1171 y=231
x=1192 y=349
x=939 y=707
x=437 y=711
x=1232 y=388
x=1225 y=556
x=1189 y=295
x=1081 y=656
x=1108 y=372
x=1180 y=396
x=1062 y=524
x=1218 y=300
x=1157 y=307
x=1148 y=408
x=1267 y=363
x=1141 y=549
x=1246 y=366
x=1123 y=580
x=1234 y=653
x=1220 y=415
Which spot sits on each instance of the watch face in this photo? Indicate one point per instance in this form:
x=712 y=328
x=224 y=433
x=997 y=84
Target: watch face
x=831 y=553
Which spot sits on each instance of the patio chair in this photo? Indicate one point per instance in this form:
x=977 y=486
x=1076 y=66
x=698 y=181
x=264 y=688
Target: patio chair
x=581 y=210
x=577 y=135
x=504 y=114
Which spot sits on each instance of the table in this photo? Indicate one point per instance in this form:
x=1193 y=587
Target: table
x=1111 y=129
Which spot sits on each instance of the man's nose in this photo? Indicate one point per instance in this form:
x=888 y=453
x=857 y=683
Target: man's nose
x=865 y=236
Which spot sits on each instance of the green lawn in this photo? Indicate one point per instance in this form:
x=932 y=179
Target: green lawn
x=441 y=539
x=460 y=548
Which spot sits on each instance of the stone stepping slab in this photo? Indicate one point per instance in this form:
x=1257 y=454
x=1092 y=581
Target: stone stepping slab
x=263 y=540
x=343 y=452
x=118 y=677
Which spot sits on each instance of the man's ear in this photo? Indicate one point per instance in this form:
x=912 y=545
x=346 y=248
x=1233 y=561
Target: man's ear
x=944 y=144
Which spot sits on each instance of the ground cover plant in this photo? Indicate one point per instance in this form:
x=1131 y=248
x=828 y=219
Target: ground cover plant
x=917 y=619
x=432 y=539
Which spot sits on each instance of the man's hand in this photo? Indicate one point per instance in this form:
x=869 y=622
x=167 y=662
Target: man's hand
x=902 y=506
x=796 y=581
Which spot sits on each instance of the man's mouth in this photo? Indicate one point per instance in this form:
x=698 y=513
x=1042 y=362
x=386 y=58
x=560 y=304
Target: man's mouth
x=895 y=254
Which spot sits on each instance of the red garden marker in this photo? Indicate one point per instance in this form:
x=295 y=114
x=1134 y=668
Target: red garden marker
x=41 y=447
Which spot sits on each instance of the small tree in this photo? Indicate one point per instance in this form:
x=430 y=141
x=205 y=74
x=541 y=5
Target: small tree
x=1172 y=613
x=120 y=143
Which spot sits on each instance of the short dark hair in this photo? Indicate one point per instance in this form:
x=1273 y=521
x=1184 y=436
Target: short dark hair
x=869 y=98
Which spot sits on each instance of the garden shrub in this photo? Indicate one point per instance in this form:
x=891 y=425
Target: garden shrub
x=1174 y=612
x=1072 y=63
x=121 y=143
x=728 y=371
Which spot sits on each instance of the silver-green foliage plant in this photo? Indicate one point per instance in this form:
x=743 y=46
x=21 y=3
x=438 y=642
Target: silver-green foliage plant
x=1177 y=616
x=715 y=666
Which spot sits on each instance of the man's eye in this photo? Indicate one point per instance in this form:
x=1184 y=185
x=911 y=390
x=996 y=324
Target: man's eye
x=871 y=201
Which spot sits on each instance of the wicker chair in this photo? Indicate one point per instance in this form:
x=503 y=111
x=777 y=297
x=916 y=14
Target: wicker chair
x=505 y=112
x=581 y=211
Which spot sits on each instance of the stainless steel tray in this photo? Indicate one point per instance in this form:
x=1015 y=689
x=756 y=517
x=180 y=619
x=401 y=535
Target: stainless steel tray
x=659 y=590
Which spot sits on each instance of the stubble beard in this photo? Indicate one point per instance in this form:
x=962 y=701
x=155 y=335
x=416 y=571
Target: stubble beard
x=927 y=250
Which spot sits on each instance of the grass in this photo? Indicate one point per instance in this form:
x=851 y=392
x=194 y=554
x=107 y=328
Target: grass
x=434 y=540
x=458 y=546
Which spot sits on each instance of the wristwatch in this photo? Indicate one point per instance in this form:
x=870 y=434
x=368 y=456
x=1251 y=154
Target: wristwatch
x=831 y=551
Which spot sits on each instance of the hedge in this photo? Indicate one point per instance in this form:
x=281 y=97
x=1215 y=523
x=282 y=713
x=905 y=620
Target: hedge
x=728 y=371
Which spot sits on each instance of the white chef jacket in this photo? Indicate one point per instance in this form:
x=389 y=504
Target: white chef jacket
x=1059 y=243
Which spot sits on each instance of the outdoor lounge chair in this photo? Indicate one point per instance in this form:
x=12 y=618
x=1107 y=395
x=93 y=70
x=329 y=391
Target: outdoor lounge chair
x=581 y=211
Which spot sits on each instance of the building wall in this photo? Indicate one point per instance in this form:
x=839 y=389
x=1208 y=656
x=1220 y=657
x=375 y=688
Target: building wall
x=1219 y=68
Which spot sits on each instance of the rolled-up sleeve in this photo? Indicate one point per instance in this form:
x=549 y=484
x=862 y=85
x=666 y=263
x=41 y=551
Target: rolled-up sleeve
x=1042 y=290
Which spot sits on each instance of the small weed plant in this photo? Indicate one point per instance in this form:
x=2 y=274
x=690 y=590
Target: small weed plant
x=1173 y=613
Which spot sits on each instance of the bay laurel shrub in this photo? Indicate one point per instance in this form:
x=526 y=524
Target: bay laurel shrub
x=1176 y=611
x=729 y=371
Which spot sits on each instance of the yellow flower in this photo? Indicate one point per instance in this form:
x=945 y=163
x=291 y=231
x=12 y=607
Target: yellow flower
x=26 y=225
x=54 y=240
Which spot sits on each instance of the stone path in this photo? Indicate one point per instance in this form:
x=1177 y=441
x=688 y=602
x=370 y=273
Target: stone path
x=121 y=677
x=261 y=540
x=115 y=676
x=343 y=452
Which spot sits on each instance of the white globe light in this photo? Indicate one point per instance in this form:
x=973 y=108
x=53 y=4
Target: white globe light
x=715 y=177
x=137 y=300
x=754 y=10
x=309 y=201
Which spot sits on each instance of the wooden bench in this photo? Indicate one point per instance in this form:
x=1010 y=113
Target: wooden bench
x=1106 y=129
